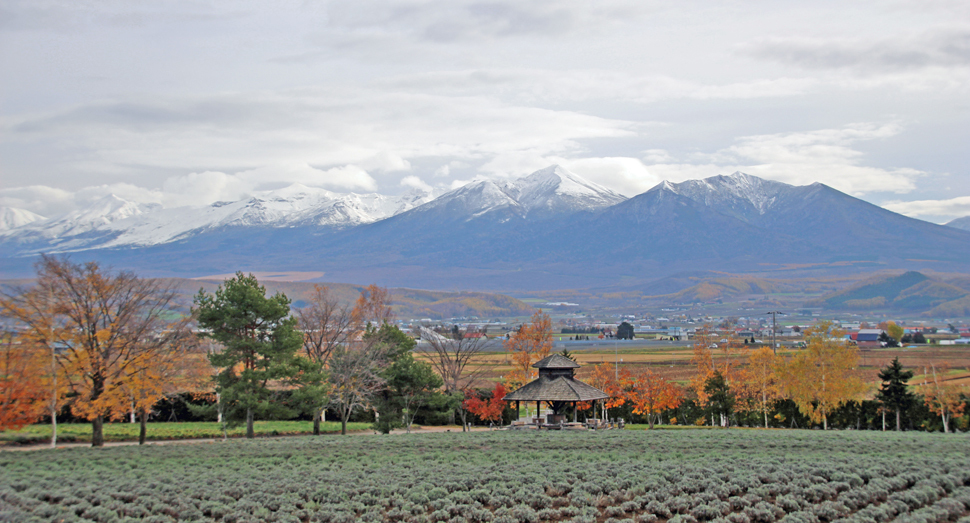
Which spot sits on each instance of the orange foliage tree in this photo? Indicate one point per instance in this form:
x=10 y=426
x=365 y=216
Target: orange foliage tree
x=489 y=409
x=941 y=397
x=823 y=375
x=373 y=305
x=617 y=383
x=530 y=344
x=24 y=387
x=652 y=394
x=103 y=323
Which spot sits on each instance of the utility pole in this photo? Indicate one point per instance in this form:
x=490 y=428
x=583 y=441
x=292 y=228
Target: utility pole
x=774 y=344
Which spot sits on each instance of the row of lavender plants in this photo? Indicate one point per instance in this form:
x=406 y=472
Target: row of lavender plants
x=503 y=477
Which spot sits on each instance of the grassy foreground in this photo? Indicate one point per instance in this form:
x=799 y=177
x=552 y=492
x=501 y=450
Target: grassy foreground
x=81 y=432
x=503 y=477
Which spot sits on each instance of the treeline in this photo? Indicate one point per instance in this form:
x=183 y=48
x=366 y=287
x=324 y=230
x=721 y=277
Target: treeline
x=100 y=346
x=817 y=386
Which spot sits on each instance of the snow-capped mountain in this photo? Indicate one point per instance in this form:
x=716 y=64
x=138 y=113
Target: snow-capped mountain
x=12 y=217
x=114 y=222
x=553 y=191
x=740 y=195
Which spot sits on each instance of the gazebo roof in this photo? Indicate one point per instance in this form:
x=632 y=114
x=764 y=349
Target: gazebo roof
x=562 y=388
x=556 y=361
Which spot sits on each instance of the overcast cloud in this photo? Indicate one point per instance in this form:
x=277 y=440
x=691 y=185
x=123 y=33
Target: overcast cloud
x=187 y=103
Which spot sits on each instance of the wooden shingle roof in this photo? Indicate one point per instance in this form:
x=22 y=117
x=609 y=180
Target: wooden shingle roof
x=556 y=361
x=562 y=388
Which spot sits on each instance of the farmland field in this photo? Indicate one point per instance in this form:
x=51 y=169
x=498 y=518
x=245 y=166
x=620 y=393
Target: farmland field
x=630 y=476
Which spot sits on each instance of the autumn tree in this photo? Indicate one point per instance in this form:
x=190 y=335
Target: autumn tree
x=652 y=394
x=164 y=373
x=373 y=305
x=24 y=390
x=531 y=343
x=617 y=383
x=894 y=393
x=259 y=340
x=457 y=358
x=326 y=324
x=823 y=375
x=759 y=380
x=712 y=355
x=488 y=409
x=355 y=376
x=943 y=397
x=102 y=323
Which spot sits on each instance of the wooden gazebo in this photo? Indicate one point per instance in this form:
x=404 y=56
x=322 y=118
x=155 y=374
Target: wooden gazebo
x=556 y=385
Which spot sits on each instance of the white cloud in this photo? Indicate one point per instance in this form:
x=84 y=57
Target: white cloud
x=953 y=207
x=628 y=176
x=415 y=183
x=799 y=158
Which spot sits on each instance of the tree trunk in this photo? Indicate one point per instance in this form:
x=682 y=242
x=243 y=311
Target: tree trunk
x=825 y=422
x=884 y=420
x=316 y=423
x=899 y=425
x=344 y=415
x=97 y=431
x=946 y=423
x=143 y=430
x=249 y=424
x=766 y=419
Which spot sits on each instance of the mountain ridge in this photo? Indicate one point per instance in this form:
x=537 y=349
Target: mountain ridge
x=552 y=229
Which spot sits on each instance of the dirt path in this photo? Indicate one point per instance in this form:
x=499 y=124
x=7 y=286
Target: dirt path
x=46 y=446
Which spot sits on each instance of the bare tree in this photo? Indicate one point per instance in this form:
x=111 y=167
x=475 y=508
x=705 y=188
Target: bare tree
x=354 y=377
x=456 y=357
x=326 y=325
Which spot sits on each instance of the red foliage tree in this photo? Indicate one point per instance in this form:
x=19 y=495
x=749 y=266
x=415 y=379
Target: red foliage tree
x=488 y=409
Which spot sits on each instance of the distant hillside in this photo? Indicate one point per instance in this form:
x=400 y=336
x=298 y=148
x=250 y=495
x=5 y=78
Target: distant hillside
x=960 y=223
x=911 y=292
x=406 y=303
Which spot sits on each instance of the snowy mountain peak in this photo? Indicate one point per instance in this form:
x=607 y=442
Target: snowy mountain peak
x=739 y=192
x=556 y=190
x=12 y=217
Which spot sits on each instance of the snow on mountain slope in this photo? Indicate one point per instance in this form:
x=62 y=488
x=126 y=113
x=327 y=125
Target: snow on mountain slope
x=550 y=191
x=114 y=222
x=557 y=190
x=748 y=198
x=12 y=217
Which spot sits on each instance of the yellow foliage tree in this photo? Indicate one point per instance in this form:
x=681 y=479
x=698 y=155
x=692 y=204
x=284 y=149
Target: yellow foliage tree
x=530 y=344
x=760 y=386
x=941 y=396
x=823 y=375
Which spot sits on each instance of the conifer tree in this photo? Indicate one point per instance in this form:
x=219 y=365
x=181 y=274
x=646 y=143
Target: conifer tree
x=894 y=392
x=259 y=340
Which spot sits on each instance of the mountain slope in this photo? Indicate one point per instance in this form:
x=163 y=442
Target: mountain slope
x=960 y=223
x=548 y=230
x=12 y=217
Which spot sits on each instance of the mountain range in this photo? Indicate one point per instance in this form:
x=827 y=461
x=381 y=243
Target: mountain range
x=550 y=229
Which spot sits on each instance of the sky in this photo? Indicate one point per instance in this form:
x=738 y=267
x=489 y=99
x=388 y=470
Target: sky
x=192 y=102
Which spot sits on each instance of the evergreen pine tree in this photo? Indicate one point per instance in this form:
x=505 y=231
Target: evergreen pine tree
x=259 y=340
x=893 y=393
